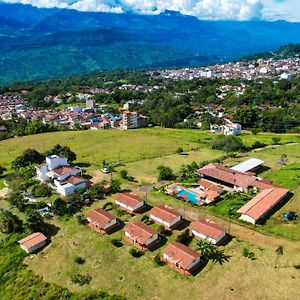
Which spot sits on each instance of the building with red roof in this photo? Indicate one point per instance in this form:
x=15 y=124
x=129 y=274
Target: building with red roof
x=101 y=220
x=182 y=258
x=165 y=216
x=261 y=205
x=209 y=231
x=130 y=202
x=33 y=242
x=140 y=235
x=226 y=176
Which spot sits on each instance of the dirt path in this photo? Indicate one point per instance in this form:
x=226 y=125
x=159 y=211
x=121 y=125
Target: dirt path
x=242 y=232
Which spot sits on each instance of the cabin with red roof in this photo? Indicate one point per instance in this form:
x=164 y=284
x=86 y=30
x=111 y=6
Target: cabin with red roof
x=33 y=242
x=141 y=235
x=165 y=216
x=209 y=231
x=181 y=258
x=101 y=220
x=130 y=202
x=261 y=205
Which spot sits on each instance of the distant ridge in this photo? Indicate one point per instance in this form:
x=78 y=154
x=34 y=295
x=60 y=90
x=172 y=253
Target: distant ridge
x=49 y=43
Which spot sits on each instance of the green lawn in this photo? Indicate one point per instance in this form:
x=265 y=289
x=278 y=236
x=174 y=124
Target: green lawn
x=113 y=269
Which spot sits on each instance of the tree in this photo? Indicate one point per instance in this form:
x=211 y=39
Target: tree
x=205 y=248
x=227 y=143
x=59 y=207
x=115 y=185
x=9 y=222
x=33 y=220
x=165 y=173
x=283 y=160
x=183 y=237
x=276 y=140
x=63 y=151
x=42 y=190
x=29 y=156
x=279 y=252
x=97 y=191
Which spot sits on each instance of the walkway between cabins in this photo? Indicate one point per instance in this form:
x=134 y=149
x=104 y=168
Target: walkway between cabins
x=242 y=232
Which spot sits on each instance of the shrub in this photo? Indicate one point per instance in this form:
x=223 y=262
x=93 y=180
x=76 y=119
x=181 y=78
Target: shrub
x=179 y=150
x=157 y=260
x=249 y=254
x=165 y=173
x=79 y=260
x=80 y=218
x=258 y=144
x=117 y=243
x=108 y=206
x=124 y=174
x=135 y=253
x=81 y=279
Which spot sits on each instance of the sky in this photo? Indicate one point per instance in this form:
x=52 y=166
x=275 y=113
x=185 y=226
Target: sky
x=203 y=9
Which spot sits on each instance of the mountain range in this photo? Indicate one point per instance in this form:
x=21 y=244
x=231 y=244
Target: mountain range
x=39 y=43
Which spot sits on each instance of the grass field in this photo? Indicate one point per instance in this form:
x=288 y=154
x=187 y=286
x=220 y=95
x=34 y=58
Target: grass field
x=113 y=269
x=129 y=146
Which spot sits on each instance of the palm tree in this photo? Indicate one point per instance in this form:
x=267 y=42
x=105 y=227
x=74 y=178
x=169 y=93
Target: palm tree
x=279 y=252
x=205 y=248
x=219 y=256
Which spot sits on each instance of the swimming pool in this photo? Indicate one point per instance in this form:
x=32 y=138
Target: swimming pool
x=191 y=197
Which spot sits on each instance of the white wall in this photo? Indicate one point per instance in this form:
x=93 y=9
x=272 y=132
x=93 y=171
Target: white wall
x=56 y=161
x=152 y=239
x=247 y=218
x=33 y=249
x=41 y=173
x=109 y=224
x=195 y=262
x=207 y=238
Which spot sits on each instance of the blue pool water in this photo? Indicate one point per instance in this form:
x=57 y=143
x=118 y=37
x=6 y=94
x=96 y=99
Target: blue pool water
x=191 y=197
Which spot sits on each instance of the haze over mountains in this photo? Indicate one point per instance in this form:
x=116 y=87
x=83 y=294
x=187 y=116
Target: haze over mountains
x=48 y=43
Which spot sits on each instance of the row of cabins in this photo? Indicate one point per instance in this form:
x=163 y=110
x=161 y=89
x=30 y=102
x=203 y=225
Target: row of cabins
x=177 y=255
x=242 y=179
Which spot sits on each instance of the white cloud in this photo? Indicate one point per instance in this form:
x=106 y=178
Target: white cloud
x=203 y=9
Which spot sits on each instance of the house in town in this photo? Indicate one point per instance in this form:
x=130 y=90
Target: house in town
x=62 y=177
x=141 y=235
x=102 y=221
x=132 y=120
x=239 y=181
x=231 y=129
x=165 y=216
x=182 y=258
x=130 y=202
x=209 y=231
x=33 y=242
x=262 y=204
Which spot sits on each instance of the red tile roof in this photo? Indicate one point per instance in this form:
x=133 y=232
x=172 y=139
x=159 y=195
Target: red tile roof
x=63 y=170
x=181 y=254
x=76 y=180
x=32 y=240
x=140 y=232
x=164 y=213
x=263 y=202
x=262 y=185
x=129 y=199
x=207 y=228
x=227 y=175
x=100 y=217
x=209 y=185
